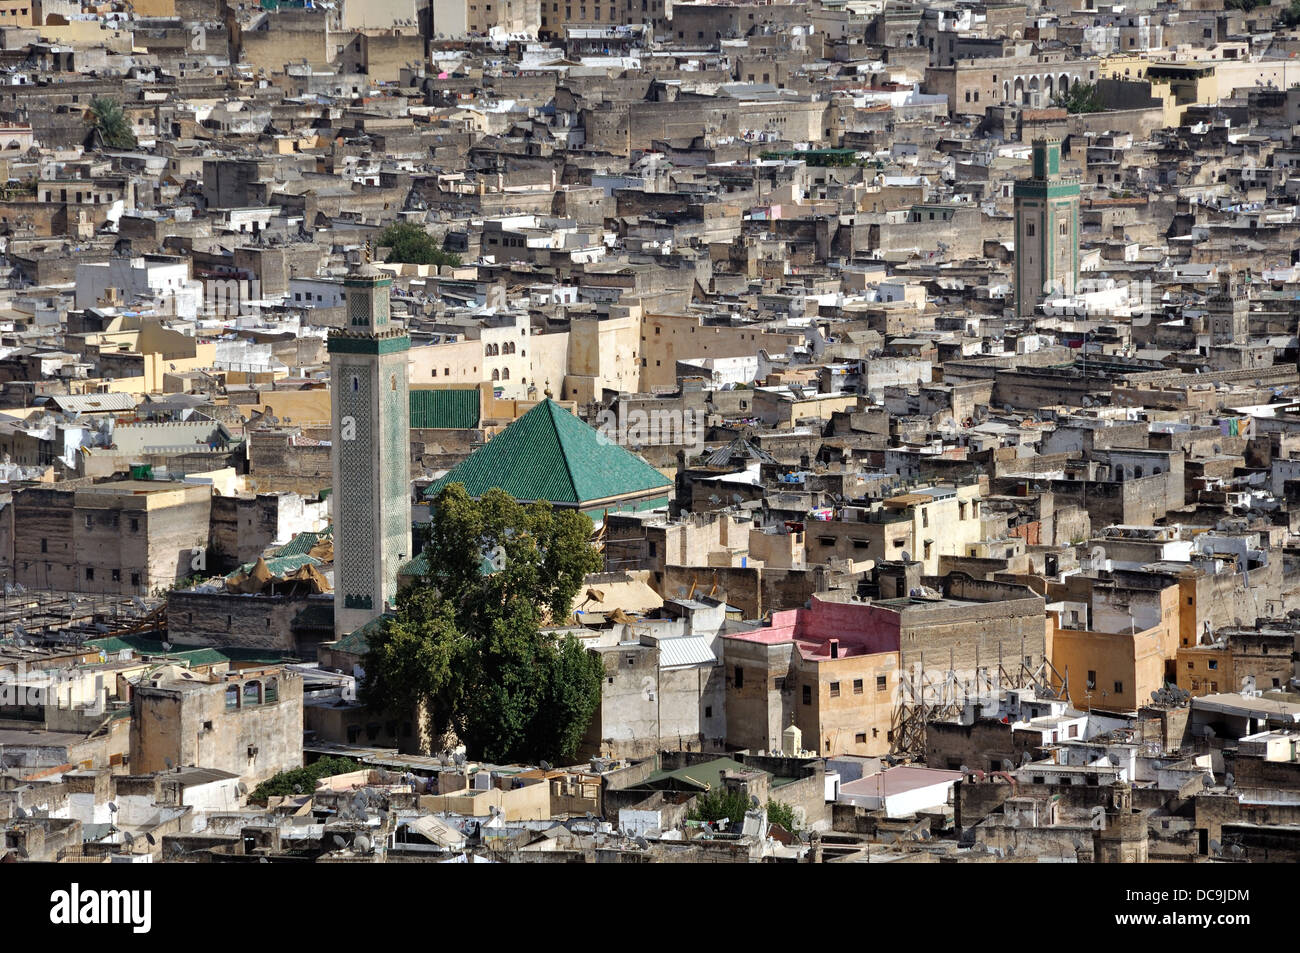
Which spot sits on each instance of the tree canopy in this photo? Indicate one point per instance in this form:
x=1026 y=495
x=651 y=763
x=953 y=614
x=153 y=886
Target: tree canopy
x=466 y=644
x=302 y=780
x=106 y=115
x=1081 y=98
x=411 y=244
x=718 y=805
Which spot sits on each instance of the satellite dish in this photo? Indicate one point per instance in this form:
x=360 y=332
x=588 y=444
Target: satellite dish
x=361 y=842
x=339 y=842
x=128 y=837
x=150 y=838
x=907 y=557
x=112 y=808
x=1216 y=849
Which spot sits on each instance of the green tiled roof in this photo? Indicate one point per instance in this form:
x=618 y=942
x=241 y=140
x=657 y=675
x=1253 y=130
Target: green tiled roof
x=445 y=408
x=279 y=565
x=191 y=654
x=301 y=544
x=549 y=454
x=703 y=775
x=358 y=641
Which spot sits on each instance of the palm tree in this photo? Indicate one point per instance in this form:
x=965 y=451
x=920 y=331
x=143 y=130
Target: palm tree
x=114 y=129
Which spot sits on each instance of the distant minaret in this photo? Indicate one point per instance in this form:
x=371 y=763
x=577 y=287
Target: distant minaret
x=1047 y=229
x=371 y=453
x=1229 y=312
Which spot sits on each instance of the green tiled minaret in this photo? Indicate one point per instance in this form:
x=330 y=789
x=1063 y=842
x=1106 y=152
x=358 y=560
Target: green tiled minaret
x=371 y=452
x=1047 y=230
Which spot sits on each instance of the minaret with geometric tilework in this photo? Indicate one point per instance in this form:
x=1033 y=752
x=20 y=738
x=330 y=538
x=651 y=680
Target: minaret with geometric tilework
x=371 y=453
x=1047 y=230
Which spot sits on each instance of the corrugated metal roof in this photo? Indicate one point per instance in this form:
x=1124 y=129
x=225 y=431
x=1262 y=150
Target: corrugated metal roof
x=549 y=454
x=93 y=403
x=685 y=650
x=445 y=408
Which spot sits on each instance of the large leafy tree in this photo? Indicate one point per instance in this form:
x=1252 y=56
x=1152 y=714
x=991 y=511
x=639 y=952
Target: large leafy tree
x=413 y=245
x=1080 y=98
x=467 y=644
x=106 y=115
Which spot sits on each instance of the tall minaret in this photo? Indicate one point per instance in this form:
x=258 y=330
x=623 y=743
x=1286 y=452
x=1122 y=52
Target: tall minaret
x=371 y=453
x=1047 y=230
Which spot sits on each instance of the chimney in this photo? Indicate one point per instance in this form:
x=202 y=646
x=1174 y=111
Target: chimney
x=835 y=648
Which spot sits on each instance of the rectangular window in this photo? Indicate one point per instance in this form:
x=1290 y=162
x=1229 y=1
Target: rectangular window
x=835 y=689
x=90 y=574
x=860 y=738
x=135 y=579
x=857 y=686
x=807 y=694
x=708 y=711
x=740 y=677
x=117 y=575
x=1092 y=680
x=1119 y=687
x=881 y=683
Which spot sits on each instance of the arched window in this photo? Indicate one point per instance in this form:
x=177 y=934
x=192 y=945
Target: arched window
x=496 y=375
x=232 y=697
x=505 y=373
x=356 y=384
x=392 y=382
x=252 y=693
x=1137 y=473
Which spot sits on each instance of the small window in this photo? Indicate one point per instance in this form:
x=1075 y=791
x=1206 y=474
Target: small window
x=90 y=574
x=860 y=738
x=1214 y=664
x=1092 y=680
x=1029 y=229
x=708 y=711
x=1119 y=688
x=835 y=689
x=857 y=686
x=740 y=677
x=881 y=683
x=807 y=694
x=232 y=696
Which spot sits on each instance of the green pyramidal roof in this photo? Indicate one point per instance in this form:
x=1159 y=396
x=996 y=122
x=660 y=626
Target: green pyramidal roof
x=549 y=454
